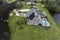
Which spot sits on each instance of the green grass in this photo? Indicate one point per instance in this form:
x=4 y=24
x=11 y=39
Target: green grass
x=34 y=32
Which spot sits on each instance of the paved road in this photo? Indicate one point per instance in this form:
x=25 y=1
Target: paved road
x=5 y=9
x=4 y=14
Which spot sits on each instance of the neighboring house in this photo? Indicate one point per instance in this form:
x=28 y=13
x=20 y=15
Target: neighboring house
x=34 y=17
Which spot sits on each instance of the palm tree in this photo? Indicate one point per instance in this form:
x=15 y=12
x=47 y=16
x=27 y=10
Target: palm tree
x=19 y=5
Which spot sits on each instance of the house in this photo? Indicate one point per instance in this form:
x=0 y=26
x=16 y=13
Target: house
x=32 y=17
x=35 y=17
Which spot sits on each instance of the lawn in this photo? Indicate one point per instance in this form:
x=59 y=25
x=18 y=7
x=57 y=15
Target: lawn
x=34 y=32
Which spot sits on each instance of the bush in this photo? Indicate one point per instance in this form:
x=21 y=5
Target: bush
x=58 y=10
x=21 y=21
x=21 y=27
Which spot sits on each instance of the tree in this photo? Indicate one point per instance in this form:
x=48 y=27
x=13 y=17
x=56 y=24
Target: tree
x=52 y=5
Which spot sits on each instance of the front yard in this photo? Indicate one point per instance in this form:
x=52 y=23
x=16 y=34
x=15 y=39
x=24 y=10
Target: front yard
x=33 y=32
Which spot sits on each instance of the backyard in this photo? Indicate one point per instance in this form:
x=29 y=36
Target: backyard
x=33 y=32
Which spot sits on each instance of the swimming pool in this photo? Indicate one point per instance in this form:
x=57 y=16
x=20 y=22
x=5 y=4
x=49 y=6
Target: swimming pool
x=45 y=22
